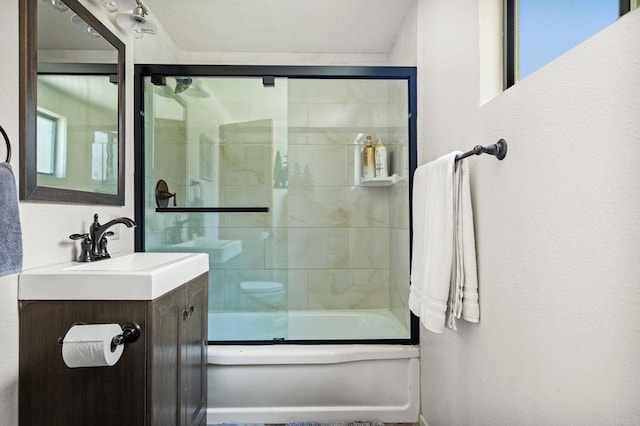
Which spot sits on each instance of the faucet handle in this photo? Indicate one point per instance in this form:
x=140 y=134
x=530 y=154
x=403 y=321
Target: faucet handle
x=80 y=237
x=102 y=245
x=85 y=246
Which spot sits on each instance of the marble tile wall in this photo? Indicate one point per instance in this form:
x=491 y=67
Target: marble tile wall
x=333 y=244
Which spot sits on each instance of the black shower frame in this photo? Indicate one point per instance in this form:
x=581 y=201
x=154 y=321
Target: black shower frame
x=302 y=72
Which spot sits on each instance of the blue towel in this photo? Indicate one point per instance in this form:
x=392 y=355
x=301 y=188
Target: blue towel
x=10 y=232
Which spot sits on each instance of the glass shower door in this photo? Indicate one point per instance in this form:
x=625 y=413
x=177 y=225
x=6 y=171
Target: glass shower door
x=219 y=145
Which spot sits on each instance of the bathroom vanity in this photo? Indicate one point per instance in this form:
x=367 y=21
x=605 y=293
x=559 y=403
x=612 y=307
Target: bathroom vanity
x=160 y=379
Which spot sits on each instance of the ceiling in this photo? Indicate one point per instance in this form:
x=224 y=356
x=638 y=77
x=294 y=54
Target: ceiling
x=285 y=26
x=56 y=31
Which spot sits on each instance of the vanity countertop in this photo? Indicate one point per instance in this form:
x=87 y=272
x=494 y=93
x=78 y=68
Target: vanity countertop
x=127 y=276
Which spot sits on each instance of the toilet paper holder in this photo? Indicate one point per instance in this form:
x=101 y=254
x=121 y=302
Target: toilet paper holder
x=130 y=333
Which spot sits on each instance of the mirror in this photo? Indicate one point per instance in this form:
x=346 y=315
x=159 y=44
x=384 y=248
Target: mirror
x=71 y=105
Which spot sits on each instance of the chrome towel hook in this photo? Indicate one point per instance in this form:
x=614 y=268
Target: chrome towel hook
x=6 y=140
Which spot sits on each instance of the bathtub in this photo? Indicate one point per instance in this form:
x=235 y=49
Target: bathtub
x=329 y=383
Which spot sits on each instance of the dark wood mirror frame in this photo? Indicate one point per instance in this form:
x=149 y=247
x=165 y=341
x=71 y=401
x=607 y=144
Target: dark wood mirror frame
x=29 y=189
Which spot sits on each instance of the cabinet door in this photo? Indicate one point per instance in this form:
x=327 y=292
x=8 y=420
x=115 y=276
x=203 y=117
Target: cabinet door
x=53 y=394
x=164 y=380
x=194 y=365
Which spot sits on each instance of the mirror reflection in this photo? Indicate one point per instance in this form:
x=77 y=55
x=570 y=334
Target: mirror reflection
x=77 y=133
x=77 y=114
x=73 y=141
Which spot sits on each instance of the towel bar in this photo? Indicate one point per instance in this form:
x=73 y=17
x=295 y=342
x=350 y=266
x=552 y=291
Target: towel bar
x=6 y=140
x=499 y=149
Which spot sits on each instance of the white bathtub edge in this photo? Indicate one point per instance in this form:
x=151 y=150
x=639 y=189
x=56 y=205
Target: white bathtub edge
x=303 y=354
x=386 y=414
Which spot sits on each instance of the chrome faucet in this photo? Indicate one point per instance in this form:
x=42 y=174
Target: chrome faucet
x=98 y=235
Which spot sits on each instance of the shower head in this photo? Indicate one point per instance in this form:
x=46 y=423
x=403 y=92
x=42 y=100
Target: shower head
x=182 y=84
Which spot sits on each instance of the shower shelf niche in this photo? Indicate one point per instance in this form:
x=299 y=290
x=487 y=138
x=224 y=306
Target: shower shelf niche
x=382 y=181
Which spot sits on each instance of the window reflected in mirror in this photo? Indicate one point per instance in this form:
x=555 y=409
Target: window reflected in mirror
x=104 y=157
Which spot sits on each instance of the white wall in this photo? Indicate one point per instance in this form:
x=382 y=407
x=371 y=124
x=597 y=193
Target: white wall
x=403 y=51
x=557 y=229
x=8 y=285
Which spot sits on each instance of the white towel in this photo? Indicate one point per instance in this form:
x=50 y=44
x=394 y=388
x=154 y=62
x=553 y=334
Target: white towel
x=443 y=267
x=464 y=272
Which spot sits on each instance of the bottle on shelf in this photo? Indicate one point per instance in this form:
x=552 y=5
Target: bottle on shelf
x=381 y=159
x=368 y=160
x=358 y=148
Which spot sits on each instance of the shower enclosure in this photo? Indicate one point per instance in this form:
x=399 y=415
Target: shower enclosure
x=261 y=168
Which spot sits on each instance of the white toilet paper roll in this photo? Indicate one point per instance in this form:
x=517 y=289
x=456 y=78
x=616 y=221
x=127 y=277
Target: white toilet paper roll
x=90 y=345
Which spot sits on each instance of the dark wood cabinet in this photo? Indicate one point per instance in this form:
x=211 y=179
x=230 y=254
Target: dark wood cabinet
x=159 y=379
x=194 y=366
x=178 y=383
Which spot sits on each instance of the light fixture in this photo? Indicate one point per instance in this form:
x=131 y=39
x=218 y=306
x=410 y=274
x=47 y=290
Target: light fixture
x=136 y=23
x=115 y=5
x=85 y=28
x=57 y=5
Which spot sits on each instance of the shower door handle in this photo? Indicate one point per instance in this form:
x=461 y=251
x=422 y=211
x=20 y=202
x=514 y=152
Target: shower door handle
x=212 y=210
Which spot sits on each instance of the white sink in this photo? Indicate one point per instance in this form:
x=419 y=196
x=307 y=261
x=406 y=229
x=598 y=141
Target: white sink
x=133 y=276
x=218 y=250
